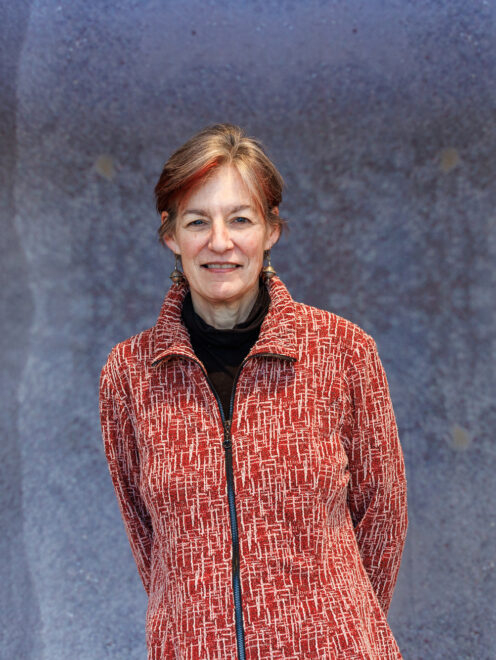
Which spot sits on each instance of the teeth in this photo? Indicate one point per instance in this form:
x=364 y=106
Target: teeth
x=220 y=265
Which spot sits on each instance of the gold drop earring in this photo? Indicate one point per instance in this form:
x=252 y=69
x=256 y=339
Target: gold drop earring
x=267 y=270
x=177 y=276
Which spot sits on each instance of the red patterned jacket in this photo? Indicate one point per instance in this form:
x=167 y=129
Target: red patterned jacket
x=318 y=481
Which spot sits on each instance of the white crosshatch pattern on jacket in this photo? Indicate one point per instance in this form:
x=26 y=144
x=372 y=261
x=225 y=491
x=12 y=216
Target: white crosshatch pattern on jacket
x=319 y=481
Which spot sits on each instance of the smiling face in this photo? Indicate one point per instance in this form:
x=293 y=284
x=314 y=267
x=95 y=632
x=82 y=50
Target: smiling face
x=221 y=236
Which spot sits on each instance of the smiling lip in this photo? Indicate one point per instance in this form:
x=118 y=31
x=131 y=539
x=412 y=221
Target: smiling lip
x=220 y=266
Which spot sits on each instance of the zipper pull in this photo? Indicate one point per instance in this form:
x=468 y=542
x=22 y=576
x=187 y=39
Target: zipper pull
x=227 y=434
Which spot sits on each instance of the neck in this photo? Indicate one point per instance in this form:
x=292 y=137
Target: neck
x=225 y=315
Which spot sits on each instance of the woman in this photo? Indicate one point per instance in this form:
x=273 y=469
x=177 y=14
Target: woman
x=251 y=439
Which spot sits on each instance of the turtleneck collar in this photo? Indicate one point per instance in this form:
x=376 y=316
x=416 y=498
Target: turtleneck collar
x=222 y=351
x=241 y=333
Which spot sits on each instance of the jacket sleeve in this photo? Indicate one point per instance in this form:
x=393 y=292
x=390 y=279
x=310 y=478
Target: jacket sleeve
x=123 y=462
x=377 y=487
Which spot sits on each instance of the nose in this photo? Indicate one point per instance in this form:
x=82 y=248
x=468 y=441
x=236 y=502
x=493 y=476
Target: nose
x=220 y=238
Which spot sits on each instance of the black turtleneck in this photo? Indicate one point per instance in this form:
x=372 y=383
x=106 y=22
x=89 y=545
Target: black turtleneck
x=223 y=351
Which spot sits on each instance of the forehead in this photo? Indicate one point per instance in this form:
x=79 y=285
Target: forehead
x=224 y=188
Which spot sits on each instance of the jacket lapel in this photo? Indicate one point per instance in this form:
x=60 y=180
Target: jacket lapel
x=278 y=332
x=169 y=335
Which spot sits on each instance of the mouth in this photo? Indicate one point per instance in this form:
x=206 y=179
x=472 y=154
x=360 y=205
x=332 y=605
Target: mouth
x=220 y=266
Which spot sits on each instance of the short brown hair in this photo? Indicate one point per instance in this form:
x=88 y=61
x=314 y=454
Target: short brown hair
x=214 y=146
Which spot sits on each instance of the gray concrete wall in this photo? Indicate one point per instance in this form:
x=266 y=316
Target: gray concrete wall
x=381 y=117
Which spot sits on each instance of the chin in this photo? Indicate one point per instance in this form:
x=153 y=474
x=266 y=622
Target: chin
x=226 y=291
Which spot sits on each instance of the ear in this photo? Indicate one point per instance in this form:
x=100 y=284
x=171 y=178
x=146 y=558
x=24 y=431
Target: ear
x=274 y=232
x=169 y=240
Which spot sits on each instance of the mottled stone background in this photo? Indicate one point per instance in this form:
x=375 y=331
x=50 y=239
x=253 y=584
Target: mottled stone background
x=381 y=117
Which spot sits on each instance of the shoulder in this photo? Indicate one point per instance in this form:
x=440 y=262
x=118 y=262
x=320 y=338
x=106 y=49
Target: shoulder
x=329 y=324
x=125 y=358
x=319 y=332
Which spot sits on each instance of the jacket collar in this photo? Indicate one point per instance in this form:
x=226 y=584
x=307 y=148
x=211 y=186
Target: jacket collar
x=277 y=334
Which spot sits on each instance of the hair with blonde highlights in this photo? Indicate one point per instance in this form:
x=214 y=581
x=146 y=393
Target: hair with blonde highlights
x=214 y=146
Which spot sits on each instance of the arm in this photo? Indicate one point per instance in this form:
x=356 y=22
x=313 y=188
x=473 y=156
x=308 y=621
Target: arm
x=377 y=487
x=123 y=462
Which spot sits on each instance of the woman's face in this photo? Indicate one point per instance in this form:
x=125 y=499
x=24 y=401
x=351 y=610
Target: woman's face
x=221 y=236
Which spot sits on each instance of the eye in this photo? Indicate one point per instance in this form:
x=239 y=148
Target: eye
x=196 y=223
x=241 y=220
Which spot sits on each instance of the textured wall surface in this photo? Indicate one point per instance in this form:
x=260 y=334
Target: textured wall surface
x=381 y=117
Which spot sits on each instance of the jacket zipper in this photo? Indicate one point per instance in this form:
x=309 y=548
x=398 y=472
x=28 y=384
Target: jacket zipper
x=231 y=496
x=236 y=582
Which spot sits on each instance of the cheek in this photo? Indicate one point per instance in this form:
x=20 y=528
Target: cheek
x=255 y=250
x=190 y=248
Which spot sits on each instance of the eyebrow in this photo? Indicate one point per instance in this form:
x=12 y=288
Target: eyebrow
x=234 y=209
